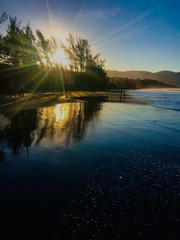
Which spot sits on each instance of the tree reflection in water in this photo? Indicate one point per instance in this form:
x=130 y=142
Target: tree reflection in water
x=16 y=129
x=62 y=124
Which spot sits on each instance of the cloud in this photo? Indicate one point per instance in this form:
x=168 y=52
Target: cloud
x=125 y=26
x=107 y=13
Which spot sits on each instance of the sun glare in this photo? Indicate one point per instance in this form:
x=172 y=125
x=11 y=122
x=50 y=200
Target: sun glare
x=59 y=57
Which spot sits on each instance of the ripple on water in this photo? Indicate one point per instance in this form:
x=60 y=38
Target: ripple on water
x=132 y=192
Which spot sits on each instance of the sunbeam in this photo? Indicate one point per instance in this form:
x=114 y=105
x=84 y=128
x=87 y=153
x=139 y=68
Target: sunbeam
x=50 y=17
x=80 y=13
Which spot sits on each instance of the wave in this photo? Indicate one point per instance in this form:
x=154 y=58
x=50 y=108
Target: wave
x=165 y=98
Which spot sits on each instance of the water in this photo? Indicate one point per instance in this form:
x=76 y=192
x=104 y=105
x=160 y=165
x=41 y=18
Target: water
x=162 y=98
x=91 y=170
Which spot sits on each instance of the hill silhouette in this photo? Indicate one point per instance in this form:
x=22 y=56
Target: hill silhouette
x=127 y=83
x=168 y=77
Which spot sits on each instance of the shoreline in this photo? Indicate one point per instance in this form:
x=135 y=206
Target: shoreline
x=40 y=100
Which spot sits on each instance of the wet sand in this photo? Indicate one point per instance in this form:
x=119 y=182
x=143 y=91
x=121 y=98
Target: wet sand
x=37 y=100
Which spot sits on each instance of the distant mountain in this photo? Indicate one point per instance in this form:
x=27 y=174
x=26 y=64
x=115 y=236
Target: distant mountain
x=127 y=83
x=168 y=77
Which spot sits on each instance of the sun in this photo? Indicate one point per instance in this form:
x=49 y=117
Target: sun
x=59 y=57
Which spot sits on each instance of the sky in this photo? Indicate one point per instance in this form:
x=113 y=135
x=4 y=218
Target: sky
x=129 y=34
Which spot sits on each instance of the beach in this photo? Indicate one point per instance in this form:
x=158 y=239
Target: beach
x=36 y=100
x=86 y=168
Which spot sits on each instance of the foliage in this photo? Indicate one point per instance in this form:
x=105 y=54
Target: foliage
x=89 y=70
x=25 y=53
x=19 y=44
x=3 y=17
x=47 y=47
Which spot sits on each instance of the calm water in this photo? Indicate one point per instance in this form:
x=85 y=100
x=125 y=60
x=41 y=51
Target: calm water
x=91 y=170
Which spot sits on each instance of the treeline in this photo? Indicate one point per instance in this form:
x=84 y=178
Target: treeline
x=29 y=57
x=126 y=83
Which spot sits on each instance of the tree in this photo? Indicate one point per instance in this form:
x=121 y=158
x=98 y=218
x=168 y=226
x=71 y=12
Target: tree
x=79 y=54
x=29 y=55
x=46 y=48
x=3 y=18
x=13 y=41
x=20 y=48
x=19 y=44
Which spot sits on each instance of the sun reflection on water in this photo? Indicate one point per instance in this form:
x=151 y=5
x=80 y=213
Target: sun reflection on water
x=58 y=112
x=58 y=125
x=59 y=121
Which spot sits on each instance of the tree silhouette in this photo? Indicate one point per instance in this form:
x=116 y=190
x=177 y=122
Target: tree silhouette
x=29 y=49
x=25 y=51
x=47 y=47
x=3 y=17
x=19 y=44
x=13 y=41
x=81 y=60
x=77 y=51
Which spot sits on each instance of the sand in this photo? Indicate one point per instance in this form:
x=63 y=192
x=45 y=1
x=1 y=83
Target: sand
x=37 y=100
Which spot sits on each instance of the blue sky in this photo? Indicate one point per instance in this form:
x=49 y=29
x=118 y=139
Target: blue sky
x=130 y=35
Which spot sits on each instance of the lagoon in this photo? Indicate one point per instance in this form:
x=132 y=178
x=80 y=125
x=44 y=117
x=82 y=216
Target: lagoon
x=91 y=170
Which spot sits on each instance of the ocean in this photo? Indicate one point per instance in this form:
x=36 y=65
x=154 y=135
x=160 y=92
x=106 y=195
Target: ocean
x=161 y=98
